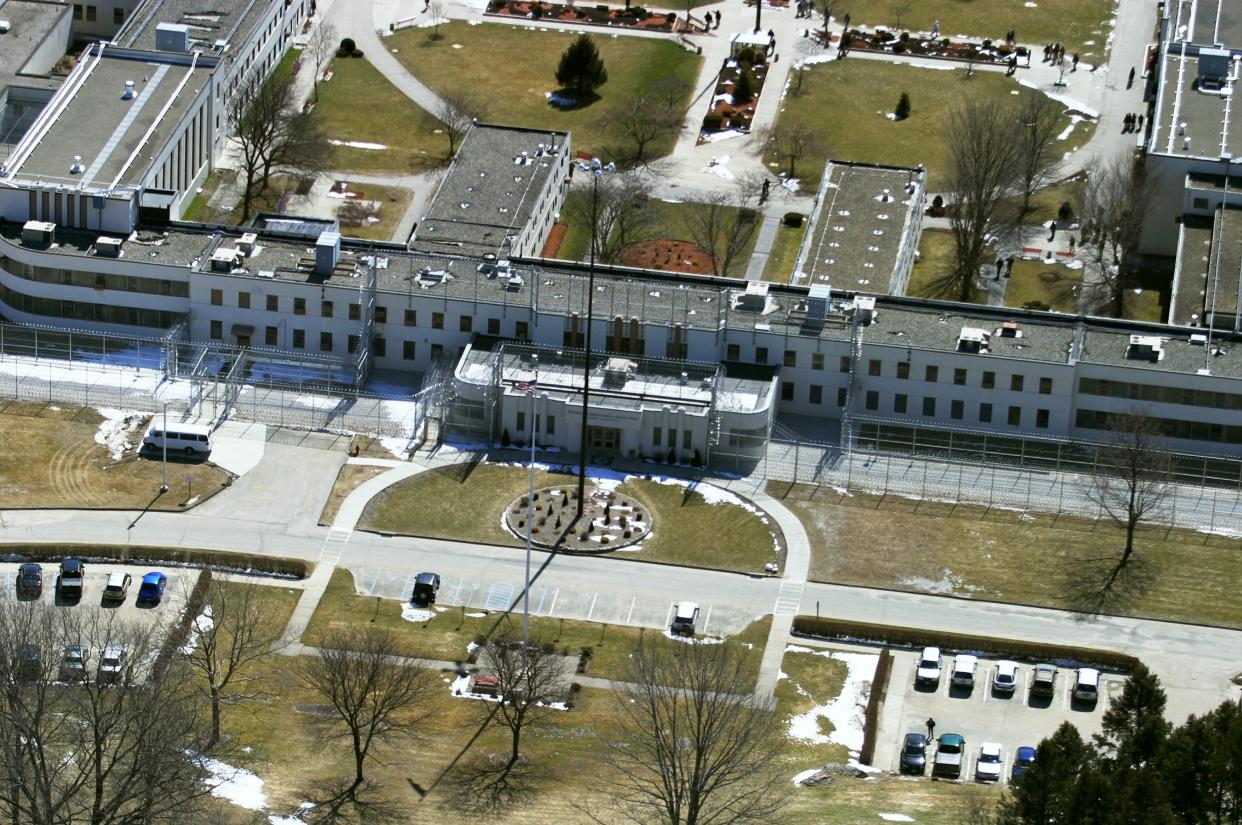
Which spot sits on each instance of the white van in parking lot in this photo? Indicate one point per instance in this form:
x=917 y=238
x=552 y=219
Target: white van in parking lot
x=1087 y=684
x=964 y=666
x=190 y=439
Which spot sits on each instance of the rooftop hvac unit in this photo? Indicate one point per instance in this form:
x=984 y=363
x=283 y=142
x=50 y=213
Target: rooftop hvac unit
x=247 y=242
x=106 y=247
x=1213 y=69
x=618 y=370
x=38 y=232
x=972 y=339
x=5 y=25
x=755 y=297
x=1198 y=339
x=172 y=37
x=224 y=259
x=327 y=253
x=1145 y=348
x=817 y=302
x=864 y=309
x=1010 y=329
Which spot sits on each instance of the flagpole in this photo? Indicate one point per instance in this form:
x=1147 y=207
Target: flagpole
x=530 y=505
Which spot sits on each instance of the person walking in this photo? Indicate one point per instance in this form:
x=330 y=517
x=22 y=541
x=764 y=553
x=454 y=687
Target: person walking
x=1009 y=266
x=1000 y=262
x=931 y=727
x=1075 y=67
x=1139 y=128
x=1052 y=231
x=935 y=28
x=1130 y=82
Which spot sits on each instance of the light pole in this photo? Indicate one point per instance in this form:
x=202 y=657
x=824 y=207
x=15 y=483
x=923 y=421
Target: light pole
x=530 y=504
x=597 y=170
x=758 y=11
x=164 y=441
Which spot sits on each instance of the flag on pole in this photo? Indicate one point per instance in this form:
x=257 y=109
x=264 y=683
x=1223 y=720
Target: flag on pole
x=528 y=387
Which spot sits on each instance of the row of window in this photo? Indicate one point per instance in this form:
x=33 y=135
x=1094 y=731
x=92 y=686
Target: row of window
x=84 y=311
x=901 y=404
x=89 y=13
x=95 y=280
x=327 y=342
x=1169 y=427
x=540 y=420
x=1161 y=394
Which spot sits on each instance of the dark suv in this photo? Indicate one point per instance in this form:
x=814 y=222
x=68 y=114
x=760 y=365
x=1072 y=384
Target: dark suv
x=72 y=573
x=426 y=586
x=30 y=579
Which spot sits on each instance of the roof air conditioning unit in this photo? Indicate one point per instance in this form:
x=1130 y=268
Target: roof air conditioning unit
x=755 y=298
x=247 y=242
x=1010 y=329
x=1145 y=348
x=1198 y=339
x=172 y=37
x=38 y=232
x=972 y=339
x=224 y=259
x=106 y=247
x=864 y=309
x=129 y=93
x=5 y=26
x=76 y=168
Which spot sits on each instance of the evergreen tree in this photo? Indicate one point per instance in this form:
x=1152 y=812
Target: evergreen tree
x=903 y=107
x=743 y=87
x=581 y=68
x=1134 y=728
x=1052 y=789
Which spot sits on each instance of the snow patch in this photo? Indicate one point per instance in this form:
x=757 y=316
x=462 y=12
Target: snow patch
x=715 y=137
x=357 y=144
x=114 y=430
x=903 y=817
x=692 y=640
x=804 y=776
x=947 y=585
x=415 y=614
x=847 y=711
x=719 y=167
x=236 y=785
x=475 y=616
x=202 y=624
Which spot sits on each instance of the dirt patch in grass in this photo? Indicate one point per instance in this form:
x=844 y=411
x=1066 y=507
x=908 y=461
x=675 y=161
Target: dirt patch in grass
x=349 y=478
x=974 y=552
x=673 y=256
x=54 y=461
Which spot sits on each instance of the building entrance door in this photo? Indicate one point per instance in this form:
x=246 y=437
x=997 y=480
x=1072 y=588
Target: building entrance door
x=603 y=438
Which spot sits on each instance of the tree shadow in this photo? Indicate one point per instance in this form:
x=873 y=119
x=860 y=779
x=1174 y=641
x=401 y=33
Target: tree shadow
x=337 y=800
x=490 y=783
x=1106 y=584
x=570 y=100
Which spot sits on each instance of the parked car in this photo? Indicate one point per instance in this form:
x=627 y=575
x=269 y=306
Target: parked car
x=426 y=586
x=72 y=574
x=152 y=587
x=928 y=670
x=29 y=663
x=111 y=665
x=950 y=748
x=1087 y=684
x=1023 y=759
x=73 y=666
x=1006 y=677
x=117 y=587
x=914 y=754
x=991 y=762
x=964 y=667
x=30 y=579
x=1044 y=680
x=685 y=617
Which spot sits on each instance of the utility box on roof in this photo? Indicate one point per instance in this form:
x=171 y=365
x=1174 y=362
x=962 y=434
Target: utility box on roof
x=172 y=37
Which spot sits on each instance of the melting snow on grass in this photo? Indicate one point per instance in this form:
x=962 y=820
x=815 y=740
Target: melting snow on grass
x=202 y=624
x=805 y=775
x=846 y=712
x=114 y=430
x=236 y=785
x=903 y=817
x=415 y=614
x=692 y=640
x=357 y=144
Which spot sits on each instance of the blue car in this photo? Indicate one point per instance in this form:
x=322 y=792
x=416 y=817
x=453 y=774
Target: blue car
x=152 y=589
x=1023 y=760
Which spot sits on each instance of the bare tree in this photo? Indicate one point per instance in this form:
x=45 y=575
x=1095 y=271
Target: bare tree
x=1113 y=211
x=1039 y=118
x=694 y=745
x=374 y=694
x=271 y=135
x=826 y=10
x=237 y=628
x=320 y=49
x=1062 y=66
x=643 y=120
x=789 y=142
x=459 y=108
x=619 y=216
x=984 y=166
x=723 y=224
x=531 y=678
x=436 y=9
x=115 y=747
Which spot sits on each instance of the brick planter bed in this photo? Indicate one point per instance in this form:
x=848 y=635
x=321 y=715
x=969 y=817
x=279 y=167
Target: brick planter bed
x=636 y=17
x=610 y=520
x=942 y=48
x=722 y=114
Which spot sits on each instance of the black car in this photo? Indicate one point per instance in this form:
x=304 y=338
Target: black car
x=30 y=579
x=72 y=573
x=914 y=753
x=426 y=585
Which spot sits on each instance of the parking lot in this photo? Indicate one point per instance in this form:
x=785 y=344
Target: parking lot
x=982 y=714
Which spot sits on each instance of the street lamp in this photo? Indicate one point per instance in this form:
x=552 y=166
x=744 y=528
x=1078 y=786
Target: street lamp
x=533 y=390
x=597 y=169
x=164 y=441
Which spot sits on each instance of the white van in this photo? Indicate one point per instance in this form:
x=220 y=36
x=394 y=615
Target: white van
x=964 y=667
x=190 y=439
x=1087 y=684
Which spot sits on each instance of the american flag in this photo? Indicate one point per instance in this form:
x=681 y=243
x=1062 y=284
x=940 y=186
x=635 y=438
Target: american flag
x=528 y=387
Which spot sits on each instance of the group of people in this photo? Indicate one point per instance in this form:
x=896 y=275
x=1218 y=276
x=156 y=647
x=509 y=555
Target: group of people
x=1133 y=123
x=711 y=20
x=1053 y=52
x=1007 y=264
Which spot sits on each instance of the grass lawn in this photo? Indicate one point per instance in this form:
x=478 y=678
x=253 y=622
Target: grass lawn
x=810 y=681
x=349 y=478
x=462 y=503
x=446 y=635
x=392 y=205
x=1070 y=22
x=1144 y=305
x=784 y=254
x=1052 y=285
x=934 y=262
x=897 y=543
x=55 y=462
x=347 y=111
x=1046 y=202
x=847 y=102
x=513 y=68
x=266 y=201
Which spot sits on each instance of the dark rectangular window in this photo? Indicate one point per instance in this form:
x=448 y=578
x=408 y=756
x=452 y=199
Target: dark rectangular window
x=1041 y=419
x=437 y=350
x=787 y=391
x=985 y=413
x=733 y=352
x=325 y=309
x=841 y=394
x=959 y=376
x=817 y=360
x=791 y=358
x=351 y=344
x=521 y=329
x=1015 y=416
x=899 y=403
x=355 y=312
x=845 y=363
x=873 y=400
x=493 y=326
x=299 y=306
x=381 y=315
x=929 y=406
x=931 y=373
x=325 y=341
x=437 y=320
x=407 y=350
x=379 y=345
x=551 y=428
x=816 y=395
x=655 y=437
x=273 y=303
x=217 y=297
x=1045 y=386
x=411 y=318
x=270 y=336
x=1015 y=383
x=465 y=323
x=989 y=380
x=761 y=355
x=118 y=16
x=90 y=14
x=299 y=339
x=217 y=330
x=956 y=408
x=874 y=367
x=77 y=11
x=903 y=369
x=243 y=300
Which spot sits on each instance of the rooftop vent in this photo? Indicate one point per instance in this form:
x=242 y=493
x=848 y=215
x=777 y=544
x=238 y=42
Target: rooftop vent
x=972 y=339
x=247 y=243
x=885 y=197
x=1010 y=329
x=106 y=247
x=172 y=37
x=1213 y=69
x=76 y=168
x=327 y=253
x=818 y=299
x=1145 y=348
x=224 y=259
x=5 y=26
x=863 y=309
x=1198 y=339
x=755 y=298
x=618 y=370
x=128 y=93
x=36 y=232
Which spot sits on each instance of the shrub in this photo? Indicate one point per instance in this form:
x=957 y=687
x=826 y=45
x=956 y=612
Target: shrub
x=348 y=47
x=1066 y=212
x=793 y=219
x=504 y=437
x=743 y=88
x=711 y=123
x=356 y=53
x=672 y=456
x=903 y=107
x=905 y=37
x=170 y=556
x=874 y=700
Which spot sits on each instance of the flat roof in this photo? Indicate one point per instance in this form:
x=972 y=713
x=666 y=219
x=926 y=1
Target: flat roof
x=1210 y=268
x=1211 y=125
x=491 y=189
x=209 y=21
x=105 y=130
x=30 y=23
x=1215 y=22
x=1193 y=263
x=861 y=219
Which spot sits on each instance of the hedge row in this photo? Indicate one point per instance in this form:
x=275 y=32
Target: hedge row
x=952 y=642
x=167 y=556
x=176 y=637
x=879 y=689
